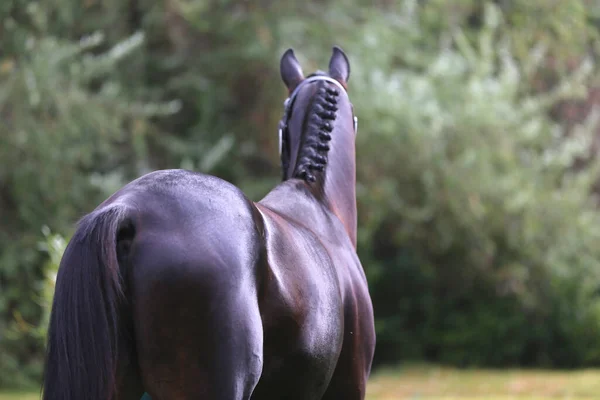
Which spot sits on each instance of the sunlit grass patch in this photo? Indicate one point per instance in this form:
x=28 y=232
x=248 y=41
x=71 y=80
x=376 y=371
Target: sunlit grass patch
x=20 y=396
x=433 y=382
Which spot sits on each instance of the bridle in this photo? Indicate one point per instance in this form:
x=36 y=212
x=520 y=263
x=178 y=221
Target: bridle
x=289 y=103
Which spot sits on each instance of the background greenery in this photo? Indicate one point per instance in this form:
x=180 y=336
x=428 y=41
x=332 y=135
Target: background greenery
x=477 y=167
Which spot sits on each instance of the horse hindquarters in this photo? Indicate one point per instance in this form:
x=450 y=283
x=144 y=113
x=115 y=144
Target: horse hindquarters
x=159 y=284
x=196 y=317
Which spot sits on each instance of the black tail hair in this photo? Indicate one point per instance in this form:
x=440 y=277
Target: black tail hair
x=81 y=357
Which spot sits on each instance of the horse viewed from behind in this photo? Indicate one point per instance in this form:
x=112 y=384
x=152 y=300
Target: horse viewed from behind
x=179 y=286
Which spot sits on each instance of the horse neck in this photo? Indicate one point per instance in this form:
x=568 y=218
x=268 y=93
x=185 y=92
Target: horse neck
x=335 y=186
x=338 y=184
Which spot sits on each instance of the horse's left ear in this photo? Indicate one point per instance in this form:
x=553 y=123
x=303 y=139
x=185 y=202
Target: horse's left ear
x=339 y=66
x=291 y=71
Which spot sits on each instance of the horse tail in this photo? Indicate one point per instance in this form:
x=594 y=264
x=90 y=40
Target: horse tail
x=81 y=359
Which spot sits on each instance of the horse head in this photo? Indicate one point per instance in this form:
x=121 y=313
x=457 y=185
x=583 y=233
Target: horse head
x=311 y=110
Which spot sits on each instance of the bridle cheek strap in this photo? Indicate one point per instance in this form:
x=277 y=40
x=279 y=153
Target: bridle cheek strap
x=289 y=102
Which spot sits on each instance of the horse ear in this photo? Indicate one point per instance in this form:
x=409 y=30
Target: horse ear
x=339 y=66
x=290 y=69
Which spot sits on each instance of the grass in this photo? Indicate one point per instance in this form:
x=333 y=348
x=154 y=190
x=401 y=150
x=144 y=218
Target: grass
x=20 y=396
x=441 y=383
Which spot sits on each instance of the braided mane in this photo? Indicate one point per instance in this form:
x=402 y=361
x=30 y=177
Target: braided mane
x=312 y=155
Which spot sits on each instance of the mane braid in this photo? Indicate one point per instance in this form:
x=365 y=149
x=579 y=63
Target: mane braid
x=312 y=155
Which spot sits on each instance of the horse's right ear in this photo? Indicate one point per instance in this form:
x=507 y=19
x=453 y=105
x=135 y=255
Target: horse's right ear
x=291 y=71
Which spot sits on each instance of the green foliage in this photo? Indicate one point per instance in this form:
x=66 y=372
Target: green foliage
x=67 y=127
x=477 y=227
x=486 y=214
x=21 y=336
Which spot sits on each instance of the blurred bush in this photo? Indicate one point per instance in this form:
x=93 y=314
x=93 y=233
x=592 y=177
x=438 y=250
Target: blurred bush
x=479 y=243
x=477 y=214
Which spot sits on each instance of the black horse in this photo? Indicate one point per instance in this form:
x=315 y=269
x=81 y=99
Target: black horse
x=179 y=286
